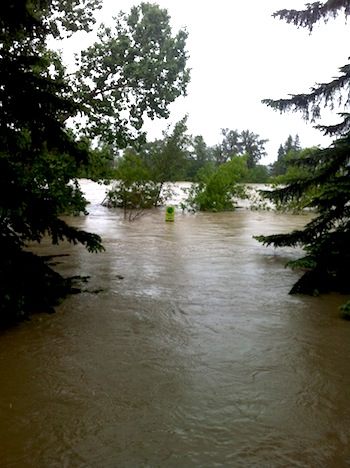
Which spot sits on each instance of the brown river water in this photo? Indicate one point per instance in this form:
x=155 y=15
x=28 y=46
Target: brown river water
x=185 y=350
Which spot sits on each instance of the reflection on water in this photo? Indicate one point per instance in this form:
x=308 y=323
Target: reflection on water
x=193 y=354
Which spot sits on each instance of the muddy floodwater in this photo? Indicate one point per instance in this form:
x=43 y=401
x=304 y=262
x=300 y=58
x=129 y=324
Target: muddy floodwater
x=185 y=350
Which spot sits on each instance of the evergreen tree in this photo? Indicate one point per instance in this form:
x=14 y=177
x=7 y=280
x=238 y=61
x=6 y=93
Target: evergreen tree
x=38 y=157
x=326 y=238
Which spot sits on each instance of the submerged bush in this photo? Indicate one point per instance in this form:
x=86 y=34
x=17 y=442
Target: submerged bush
x=217 y=187
x=136 y=197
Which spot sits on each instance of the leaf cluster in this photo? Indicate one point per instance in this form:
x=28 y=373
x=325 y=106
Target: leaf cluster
x=235 y=143
x=216 y=187
x=134 y=70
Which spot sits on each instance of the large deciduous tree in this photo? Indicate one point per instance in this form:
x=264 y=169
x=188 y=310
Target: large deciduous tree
x=326 y=238
x=134 y=69
x=39 y=156
x=167 y=158
x=253 y=147
x=235 y=143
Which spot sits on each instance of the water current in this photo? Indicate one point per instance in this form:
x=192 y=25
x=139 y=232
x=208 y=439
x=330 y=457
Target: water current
x=185 y=350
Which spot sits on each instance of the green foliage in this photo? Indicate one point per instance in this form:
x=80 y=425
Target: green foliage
x=258 y=174
x=298 y=169
x=228 y=148
x=134 y=198
x=200 y=155
x=134 y=190
x=100 y=163
x=142 y=175
x=314 y=12
x=132 y=168
x=286 y=154
x=215 y=188
x=206 y=172
x=253 y=147
x=167 y=159
x=239 y=144
x=38 y=158
x=136 y=69
x=31 y=22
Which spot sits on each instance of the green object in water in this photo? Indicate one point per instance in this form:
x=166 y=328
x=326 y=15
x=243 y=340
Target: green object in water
x=169 y=213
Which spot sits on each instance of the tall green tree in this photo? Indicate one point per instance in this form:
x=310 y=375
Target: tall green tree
x=229 y=146
x=135 y=69
x=168 y=158
x=253 y=146
x=101 y=161
x=201 y=154
x=286 y=154
x=326 y=238
x=39 y=156
x=235 y=143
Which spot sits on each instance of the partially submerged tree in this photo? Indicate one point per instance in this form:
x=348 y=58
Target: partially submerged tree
x=217 y=187
x=168 y=158
x=326 y=238
x=142 y=175
x=133 y=190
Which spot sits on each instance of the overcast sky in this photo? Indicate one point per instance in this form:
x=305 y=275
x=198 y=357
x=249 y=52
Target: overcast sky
x=240 y=55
